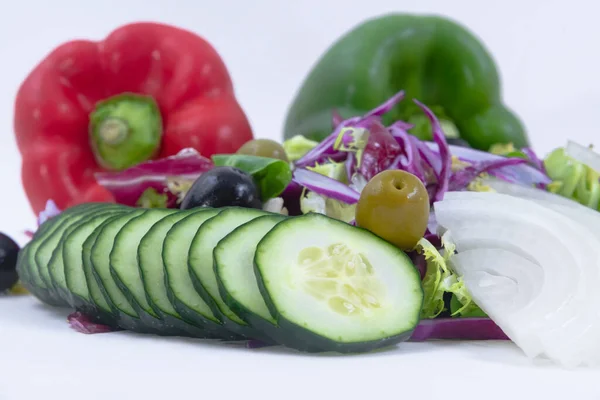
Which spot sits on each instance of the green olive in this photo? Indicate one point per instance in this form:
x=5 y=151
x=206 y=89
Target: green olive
x=394 y=205
x=263 y=148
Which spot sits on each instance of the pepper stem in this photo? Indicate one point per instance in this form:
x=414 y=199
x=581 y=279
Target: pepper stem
x=113 y=131
x=125 y=130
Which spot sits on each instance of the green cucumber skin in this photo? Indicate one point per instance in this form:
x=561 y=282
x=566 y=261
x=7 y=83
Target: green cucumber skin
x=149 y=322
x=123 y=320
x=79 y=303
x=235 y=331
x=185 y=326
x=37 y=284
x=106 y=316
x=212 y=328
x=55 y=262
x=27 y=281
x=243 y=331
x=146 y=323
x=60 y=221
x=269 y=333
x=57 y=254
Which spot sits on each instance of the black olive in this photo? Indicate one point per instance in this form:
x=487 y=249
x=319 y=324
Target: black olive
x=9 y=250
x=458 y=142
x=223 y=187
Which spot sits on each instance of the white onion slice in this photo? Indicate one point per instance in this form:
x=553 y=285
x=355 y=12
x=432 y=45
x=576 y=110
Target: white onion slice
x=572 y=209
x=583 y=154
x=564 y=249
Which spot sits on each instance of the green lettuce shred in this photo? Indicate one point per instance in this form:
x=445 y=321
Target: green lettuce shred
x=357 y=144
x=298 y=146
x=150 y=198
x=441 y=279
x=331 y=169
x=332 y=208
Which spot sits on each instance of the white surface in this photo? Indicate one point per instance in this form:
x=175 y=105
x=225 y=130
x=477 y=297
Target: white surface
x=548 y=58
x=43 y=357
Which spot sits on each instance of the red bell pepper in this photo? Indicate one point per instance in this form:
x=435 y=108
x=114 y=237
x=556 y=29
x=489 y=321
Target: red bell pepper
x=146 y=91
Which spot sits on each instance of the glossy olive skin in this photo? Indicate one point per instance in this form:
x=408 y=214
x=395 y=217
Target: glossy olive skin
x=263 y=148
x=223 y=187
x=9 y=250
x=394 y=205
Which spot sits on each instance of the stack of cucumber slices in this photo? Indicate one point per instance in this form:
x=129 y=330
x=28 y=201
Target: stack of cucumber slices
x=310 y=283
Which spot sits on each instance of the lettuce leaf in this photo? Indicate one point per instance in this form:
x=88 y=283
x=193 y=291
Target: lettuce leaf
x=332 y=208
x=440 y=279
x=298 y=146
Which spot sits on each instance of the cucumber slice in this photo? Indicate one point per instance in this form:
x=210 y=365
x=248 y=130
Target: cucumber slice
x=56 y=266
x=107 y=314
x=127 y=317
x=234 y=268
x=22 y=272
x=181 y=291
x=152 y=272
x=124 y=267
x=201 y=264
x=75 y=280
x=44 y=244
x=336 y=286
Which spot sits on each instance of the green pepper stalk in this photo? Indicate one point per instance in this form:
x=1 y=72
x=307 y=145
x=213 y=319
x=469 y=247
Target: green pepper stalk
x=125 y=130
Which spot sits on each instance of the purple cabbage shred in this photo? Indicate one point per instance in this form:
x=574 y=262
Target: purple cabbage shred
x=84 y=324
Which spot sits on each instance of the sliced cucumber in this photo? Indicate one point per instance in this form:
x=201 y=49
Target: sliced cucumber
x=201 y=264
x=56 y=266
x=24 y=277
x=181 y=291
x=152 y=272
x=336 y=286
x=100 y=252
x=125 y=270
x=234 y=268
x=107 y=313
x=75 y=280
x=42 y=247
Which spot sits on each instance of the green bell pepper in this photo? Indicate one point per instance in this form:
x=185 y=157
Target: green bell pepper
x=431 y=58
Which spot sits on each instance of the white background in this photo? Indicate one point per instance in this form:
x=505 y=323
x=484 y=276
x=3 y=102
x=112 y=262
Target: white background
x=547 y=52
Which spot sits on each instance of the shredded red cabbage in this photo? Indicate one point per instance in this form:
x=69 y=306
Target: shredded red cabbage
x=322 y=151
x=461 y=179
x=534 y=159
x=84 y=324
x=411 y=161
x=325 y=149
x=457 y=329
x=419 y=261
x=386 y=106
x=523 y=173
x=381 y=151
x=445 y=157
x=325 y=186
x=127 y=186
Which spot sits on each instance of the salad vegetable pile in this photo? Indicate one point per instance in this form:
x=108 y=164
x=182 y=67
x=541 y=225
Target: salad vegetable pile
x=420 y=218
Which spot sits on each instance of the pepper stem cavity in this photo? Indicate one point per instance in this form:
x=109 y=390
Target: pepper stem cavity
x=125 y=130
x=113 y=131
